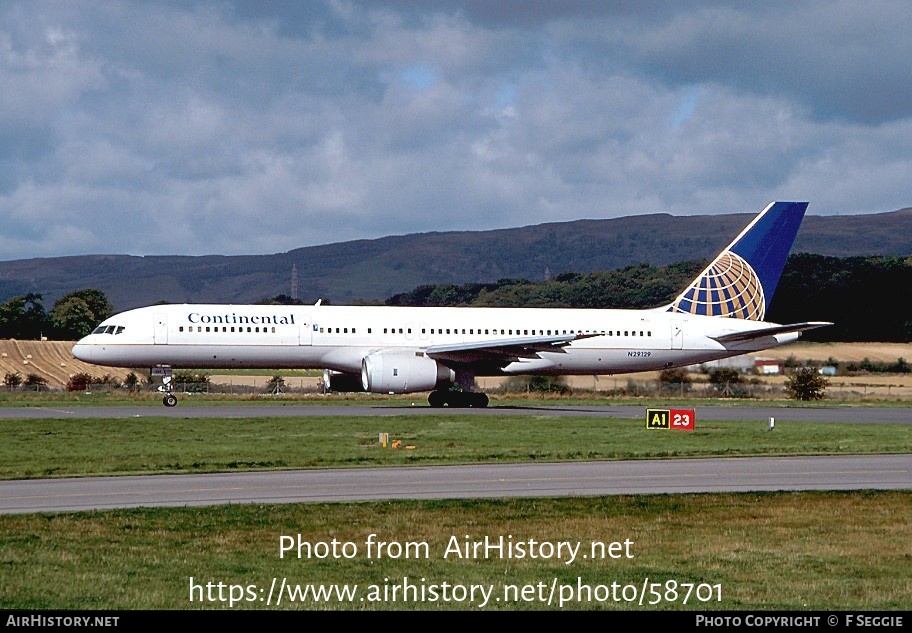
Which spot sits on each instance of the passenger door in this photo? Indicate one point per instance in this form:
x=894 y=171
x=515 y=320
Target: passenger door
x=160 y=335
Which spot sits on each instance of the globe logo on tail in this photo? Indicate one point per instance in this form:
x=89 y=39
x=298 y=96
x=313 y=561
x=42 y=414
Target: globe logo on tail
x=729 y=287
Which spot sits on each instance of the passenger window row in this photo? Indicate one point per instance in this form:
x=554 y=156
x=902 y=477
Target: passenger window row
x=225 y=328
x=490 y=331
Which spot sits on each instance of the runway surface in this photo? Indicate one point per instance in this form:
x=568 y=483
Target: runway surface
x=883 y=472
x=870 y=415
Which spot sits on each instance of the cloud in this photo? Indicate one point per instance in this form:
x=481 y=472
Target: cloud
x=211 y=127
x=839 y=59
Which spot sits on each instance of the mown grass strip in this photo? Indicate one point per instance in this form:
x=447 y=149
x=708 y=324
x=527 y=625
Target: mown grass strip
x=33 y=448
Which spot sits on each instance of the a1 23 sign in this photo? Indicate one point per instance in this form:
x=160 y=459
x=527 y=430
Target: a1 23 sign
x=675 y=419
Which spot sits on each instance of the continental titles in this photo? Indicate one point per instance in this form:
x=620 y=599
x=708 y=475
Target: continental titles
x=241 y=319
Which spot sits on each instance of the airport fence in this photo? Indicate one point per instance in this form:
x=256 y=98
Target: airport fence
x=605 y=387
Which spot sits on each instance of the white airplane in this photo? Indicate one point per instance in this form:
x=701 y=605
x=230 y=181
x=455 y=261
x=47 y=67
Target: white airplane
x=410 y=349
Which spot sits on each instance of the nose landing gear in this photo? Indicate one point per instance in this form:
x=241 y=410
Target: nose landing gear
x=167 y=386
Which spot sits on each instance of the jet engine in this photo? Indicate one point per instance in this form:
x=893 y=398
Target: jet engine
x=403 y=372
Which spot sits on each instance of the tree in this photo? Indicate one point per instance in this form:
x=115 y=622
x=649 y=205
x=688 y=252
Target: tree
x=23 y=317
x=36 y=381
x=806 y=384
x=675 y=380
x=548 y=384
x=537 y=384
x=76 y=314
x=131 y=382
x=281 y=299
x=80 y=381
x=276 y=385
x=191 y=382
x=12 y=380
x=727 y=381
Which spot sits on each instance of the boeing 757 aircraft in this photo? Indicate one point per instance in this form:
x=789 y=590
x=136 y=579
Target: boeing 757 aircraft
x=442 y=350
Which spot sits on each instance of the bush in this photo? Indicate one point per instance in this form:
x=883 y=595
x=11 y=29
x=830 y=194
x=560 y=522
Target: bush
x=12 y=379
x=276 y=385
x=724 y=375
x=901 y=366
x=537 y=384
x=80 y=381
x=675 y=380
x=190 y=382
x=111 y=381
x=728 y=382
x=806 y=384
x=34 y=380
x=131 y=381
x=548 y=384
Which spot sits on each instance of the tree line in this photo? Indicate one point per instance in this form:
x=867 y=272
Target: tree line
x=867 y=298
x=73 y=316
x=639 y=286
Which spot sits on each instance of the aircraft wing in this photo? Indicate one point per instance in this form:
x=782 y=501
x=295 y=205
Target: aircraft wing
x=749 y=335
x=503 y=351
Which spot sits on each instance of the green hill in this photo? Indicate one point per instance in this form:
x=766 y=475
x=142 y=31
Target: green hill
x=372 y=270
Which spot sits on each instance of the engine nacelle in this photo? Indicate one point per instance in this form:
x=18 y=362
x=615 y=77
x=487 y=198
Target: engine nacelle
x=403 y=372
x=341 y=382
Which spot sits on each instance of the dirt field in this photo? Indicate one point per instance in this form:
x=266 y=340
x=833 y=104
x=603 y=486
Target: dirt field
x=843 y=352
x=53 y=361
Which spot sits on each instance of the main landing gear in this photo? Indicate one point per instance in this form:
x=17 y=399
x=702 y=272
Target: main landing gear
x=457 y=399
x=465 y=397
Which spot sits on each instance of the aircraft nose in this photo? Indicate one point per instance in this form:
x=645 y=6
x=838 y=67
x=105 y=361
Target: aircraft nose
x=82 y=351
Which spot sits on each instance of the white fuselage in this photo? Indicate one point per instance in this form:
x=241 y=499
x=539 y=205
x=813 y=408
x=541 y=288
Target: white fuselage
x=338 y=337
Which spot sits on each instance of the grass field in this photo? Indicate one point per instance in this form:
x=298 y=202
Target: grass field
x=831 y=551
x=732 y=552
x=81 y=447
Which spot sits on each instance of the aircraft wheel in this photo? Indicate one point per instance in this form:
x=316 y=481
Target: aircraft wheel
x=480 y=400
x=460 y=399
x=170 y=400
x=436 y=399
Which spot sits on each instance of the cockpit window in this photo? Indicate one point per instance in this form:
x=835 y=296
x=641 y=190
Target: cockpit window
x=108 y=329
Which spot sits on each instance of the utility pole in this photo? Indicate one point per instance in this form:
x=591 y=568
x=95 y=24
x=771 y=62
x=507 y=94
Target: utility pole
x=294 y=282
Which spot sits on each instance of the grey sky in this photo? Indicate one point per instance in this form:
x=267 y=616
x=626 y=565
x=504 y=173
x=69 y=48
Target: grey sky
x=258 y=127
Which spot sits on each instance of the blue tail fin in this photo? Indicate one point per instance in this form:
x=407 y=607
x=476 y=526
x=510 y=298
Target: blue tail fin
x=741 y=281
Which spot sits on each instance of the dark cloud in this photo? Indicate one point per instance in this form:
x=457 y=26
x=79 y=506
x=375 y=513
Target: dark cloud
x=840 y=59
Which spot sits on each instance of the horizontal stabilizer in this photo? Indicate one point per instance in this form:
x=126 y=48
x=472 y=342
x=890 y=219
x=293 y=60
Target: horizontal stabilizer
x=749 y=335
